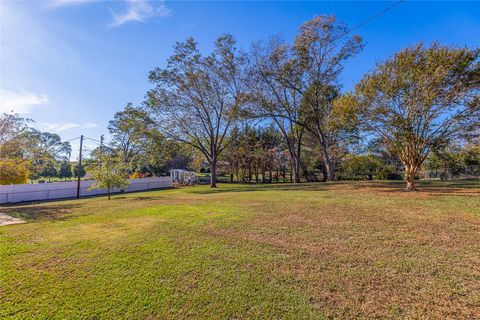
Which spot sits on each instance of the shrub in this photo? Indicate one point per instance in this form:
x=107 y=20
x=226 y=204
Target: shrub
x=13 y=172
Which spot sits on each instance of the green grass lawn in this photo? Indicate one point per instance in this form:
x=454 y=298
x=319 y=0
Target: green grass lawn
x=341 y=250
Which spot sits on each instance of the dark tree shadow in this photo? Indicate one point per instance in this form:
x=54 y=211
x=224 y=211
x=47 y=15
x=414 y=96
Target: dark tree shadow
x=456 y=184
x=260 y=187
x=455 y=187
x=432 y=187
x=140 y=198
x=42 y=212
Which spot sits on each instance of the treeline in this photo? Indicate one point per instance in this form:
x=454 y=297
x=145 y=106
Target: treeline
x=276 y=112
x=26 y=153
x=419 y=102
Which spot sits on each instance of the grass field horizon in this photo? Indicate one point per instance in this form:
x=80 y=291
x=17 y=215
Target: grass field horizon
x=312 y=251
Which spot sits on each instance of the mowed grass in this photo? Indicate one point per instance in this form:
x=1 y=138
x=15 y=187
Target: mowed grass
x=312 y=251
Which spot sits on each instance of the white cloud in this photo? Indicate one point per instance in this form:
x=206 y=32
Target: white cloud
x=140 y=10
x=90 y=125
x=135 y=10
x=64 y=3
x=20 y=102
x=63 y=126
x=57 y=127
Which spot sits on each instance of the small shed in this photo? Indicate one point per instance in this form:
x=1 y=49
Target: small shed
x=182 y=176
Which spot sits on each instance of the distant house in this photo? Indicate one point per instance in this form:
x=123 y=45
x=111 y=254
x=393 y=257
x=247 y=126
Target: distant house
x=221 y=166
x=182 y=176
x=393 y=161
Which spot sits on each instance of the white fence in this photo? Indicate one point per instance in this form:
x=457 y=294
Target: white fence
x=59 y=190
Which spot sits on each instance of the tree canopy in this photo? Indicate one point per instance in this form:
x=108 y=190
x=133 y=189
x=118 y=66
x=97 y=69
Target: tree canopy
x=418 y=101
x=109 y=173
x=197 y=98
x=295 y=84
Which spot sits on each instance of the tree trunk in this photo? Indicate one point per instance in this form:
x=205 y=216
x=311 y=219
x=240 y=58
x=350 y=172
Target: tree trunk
x=108 y=194
x=329 y=168
x=326 y=158
x=213 y=174
x=410 y=177
x=297 y=174
x=296 y=168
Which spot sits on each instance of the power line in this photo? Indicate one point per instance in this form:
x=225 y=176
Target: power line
x=361 y=24
x=72 y=139
x=93 y=139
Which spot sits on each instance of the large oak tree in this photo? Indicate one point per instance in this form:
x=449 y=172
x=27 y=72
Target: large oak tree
x=197 y=98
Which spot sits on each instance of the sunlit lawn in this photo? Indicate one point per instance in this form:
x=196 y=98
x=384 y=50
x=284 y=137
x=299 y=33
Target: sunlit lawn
x=343 y=250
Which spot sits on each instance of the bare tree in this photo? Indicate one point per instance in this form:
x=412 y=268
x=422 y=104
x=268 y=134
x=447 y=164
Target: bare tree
x=197 y=98
x=303 y=75
x=272 y=96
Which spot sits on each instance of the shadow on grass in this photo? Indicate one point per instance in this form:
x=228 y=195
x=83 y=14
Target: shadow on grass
x=41 y=212
x=459 y=184
x=459 y=187
x=139 y=198
x=260 y=187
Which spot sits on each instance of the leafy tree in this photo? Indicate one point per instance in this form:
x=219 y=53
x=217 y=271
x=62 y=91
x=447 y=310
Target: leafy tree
x=159 y=155
x=13 y=171
x=197 y=98
x=44 y=150
x=29 y=148
x=13 y=161
x=109 y=173
x=447 y=158
x=129 y=129
x=419 y=101
x=46 y=145
x=360 y=166
x=256 y=152
x=35 y=167
x=48 y=169
x=453 y=160
x=75 y=169
x=12 y=142
x=471 y=155
x=65 y=170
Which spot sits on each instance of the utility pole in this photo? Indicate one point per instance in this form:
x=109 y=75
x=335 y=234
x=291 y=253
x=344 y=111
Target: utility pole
x=79 y=166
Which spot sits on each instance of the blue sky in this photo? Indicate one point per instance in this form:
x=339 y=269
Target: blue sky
x=71 y=64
